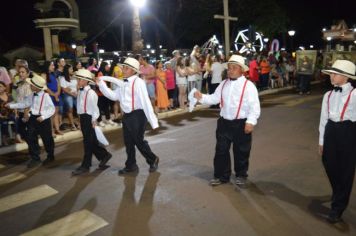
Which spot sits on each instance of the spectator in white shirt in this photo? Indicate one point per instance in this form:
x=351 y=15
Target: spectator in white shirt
x=240 y=109
x=69 y=86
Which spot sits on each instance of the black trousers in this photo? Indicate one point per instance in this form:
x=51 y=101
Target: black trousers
x=21 y=126
x=104 y=107
x=134 y=125
x=228 y=132
x=44 y=129
x=339 y=159
x=91 y=143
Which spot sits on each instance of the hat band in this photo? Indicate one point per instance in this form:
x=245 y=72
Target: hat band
x=35 y=84
x=83 y=77
x=341 y=71
x=126 y=64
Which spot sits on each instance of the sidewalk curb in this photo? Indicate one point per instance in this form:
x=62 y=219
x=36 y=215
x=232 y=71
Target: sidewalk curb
x=78 y=134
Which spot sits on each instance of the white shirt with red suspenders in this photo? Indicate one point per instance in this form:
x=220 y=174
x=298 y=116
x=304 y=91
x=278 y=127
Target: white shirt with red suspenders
x=87 y=103
x=338 y=107
x=41 y=105
x=238 y=100
x=132 y=95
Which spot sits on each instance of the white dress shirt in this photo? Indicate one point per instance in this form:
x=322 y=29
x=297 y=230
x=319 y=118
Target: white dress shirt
x=336 y=104
x=124 y=95
x=46 y=110
x=250 y=107
x=91 y=103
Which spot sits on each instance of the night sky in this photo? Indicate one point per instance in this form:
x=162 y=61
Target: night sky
x=307 y=17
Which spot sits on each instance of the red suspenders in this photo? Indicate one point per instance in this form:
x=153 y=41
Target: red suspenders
x=241 y=97
x=345 y=105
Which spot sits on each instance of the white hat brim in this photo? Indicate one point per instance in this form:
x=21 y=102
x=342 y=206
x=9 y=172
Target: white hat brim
x=29 y=81
x=331 y=71
x=83 y=78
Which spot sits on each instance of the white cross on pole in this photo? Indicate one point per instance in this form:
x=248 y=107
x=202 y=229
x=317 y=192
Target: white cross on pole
x=227 y=20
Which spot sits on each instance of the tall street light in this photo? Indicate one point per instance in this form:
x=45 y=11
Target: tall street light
x=137 y=41
x=291 y=33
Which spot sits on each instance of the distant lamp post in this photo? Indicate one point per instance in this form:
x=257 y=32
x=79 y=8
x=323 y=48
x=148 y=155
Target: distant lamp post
x=101 y=50
x=311 y=46
x=137 y=41
x=291 y=33
x=148 y=46
x=266 y=40
x=74 y=47
x=324 y=29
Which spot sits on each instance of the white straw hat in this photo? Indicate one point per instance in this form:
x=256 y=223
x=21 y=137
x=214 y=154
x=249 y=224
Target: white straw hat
x=84 y=74
x=37 y=81
x=239 y=60
x=132 y=63
x=342 y=67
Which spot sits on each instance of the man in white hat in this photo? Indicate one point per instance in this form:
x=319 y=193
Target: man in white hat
x=337 y=139
x=88 y=111
x=240 y=109
x=39 y=123
x=137 y=109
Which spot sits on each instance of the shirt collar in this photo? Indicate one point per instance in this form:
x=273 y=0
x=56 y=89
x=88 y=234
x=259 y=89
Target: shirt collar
x=346 y=88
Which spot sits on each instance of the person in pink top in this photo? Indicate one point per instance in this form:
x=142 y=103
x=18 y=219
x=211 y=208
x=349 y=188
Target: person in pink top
x=253 y=72
x=93 y=65
x=148 y=74
x=171 y=84
x=5 y=78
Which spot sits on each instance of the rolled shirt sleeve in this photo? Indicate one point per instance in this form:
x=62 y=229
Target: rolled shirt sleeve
x=254 y=103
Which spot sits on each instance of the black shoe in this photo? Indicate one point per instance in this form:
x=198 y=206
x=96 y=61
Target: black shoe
x=216 y=182
x=334 y=217
x=33 y=163
x=127 y=170
x=154 y=165
x=48 y=161
x=103 y=161
x=80 y=170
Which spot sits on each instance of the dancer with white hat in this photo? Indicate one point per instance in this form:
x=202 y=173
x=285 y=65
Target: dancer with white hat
x=240 y=109
x=88 y=111
x=39 y=123
x=337 y=138
x=137 y=109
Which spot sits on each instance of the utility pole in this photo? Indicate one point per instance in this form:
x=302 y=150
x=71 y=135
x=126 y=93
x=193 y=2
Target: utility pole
x=227 y=20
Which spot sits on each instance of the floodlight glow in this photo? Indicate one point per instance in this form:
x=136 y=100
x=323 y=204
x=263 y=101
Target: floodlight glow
x=291 y=33
x=153 y=51
x=160 y=46
x=74 y=46
x=148 y=46
x=324 y=29
x=329 y=38
x=311 y=46
x=138 y=3
x=266 y=40
x=101 y=50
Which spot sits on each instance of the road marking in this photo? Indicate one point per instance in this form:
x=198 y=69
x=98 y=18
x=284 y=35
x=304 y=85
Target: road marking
x=78 y=223
x=25 y=197
x=11 y=178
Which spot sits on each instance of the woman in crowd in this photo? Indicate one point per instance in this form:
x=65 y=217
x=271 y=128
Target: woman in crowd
x=104 y=103
x=161 y=87
x=5 y=78
x=69 y=87
x=207 y=73
x=77 y=65
x=23 y=94
x=54 y=90
x=181 y=80
x=5 y=114
x=93 y=65
x=171 y=84
x=116 y=72
x=191 y=73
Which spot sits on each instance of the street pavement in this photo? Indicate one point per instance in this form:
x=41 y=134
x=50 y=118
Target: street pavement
x=288 y=192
